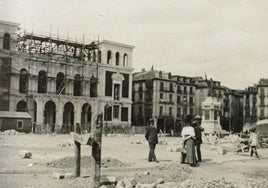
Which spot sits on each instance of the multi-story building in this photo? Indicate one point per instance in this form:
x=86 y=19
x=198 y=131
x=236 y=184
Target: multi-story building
x=62 y=83
x=186 y=99
x=262 y=99
x=168 y=98
x=232 y=111
x=154 y=96
x=249 y=104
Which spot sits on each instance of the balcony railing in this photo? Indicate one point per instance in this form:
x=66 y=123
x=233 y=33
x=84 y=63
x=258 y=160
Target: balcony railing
x=179 y=91
x=167 y=89
x=162 y=101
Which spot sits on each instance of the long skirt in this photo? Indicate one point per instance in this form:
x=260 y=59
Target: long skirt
x=190 y=152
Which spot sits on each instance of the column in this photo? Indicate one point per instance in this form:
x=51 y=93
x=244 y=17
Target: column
x=77 y=113
x=39 y=114
x=59 y=116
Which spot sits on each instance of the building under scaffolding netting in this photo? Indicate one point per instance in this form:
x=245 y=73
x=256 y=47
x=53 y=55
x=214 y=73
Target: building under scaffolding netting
x=62 y=83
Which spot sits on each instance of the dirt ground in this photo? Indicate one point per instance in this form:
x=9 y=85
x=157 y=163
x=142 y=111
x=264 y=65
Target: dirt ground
x=124 y=157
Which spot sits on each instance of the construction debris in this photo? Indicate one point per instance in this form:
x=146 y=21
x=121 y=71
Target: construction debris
x=25 y=154
x=11 y=132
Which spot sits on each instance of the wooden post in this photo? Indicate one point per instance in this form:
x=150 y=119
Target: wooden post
x=77 y=158
x=96 y=153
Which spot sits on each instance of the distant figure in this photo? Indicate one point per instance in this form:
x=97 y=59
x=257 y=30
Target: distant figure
x=253 y=142
x=198 y=139
x=188 y=136
x=152 y=138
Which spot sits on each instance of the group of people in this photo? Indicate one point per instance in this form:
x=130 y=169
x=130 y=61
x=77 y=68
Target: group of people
x=192 y=140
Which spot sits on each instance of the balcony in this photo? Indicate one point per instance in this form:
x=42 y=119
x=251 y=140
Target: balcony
x=179 y=91
x=167 y=89
x=191 y=104
x=163 y=101
x=191 y=92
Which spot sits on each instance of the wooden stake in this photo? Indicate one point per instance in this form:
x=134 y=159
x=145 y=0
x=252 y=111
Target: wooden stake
x=77 y=158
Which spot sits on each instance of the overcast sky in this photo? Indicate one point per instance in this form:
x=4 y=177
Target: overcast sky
x=225 y=39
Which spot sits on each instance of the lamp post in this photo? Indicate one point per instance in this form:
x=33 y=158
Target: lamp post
x=184 y=104
x=106 y=115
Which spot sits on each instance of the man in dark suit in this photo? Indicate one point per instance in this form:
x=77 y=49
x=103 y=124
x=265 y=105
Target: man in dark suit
x=152 y=138
x=198 y=135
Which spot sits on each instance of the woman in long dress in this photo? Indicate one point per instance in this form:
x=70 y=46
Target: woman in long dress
x=188 y=136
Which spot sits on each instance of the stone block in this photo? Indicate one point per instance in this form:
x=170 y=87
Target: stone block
x=24 y=154
x=153 y=185
x=221 y=151
x=108 y=180
x=57 y=175
x=68 y=175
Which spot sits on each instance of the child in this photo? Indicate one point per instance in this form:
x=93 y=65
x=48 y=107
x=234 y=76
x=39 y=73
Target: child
x=253 y=141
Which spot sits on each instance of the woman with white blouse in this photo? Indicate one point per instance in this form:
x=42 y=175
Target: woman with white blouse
x=188 y=136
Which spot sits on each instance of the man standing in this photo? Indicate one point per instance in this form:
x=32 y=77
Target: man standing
x=198 y=135
x=152 y=138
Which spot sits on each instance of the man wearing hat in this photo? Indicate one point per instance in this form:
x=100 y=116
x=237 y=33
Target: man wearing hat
x=152 y=138
x=198 y=138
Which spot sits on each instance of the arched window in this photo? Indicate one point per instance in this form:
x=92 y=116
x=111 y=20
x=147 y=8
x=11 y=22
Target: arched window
x=6 y=42
x=60 y=84
x=125 y=60
x=23 y=81
x=21 y=106
x=117 y=56
x=109 y=57
x=77 y=85
x=42 y=82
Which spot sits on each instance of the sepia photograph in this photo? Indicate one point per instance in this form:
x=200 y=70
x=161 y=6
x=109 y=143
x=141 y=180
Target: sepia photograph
x=133 y=94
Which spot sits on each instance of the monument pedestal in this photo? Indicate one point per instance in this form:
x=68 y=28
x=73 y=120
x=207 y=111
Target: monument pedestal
x=211 y=116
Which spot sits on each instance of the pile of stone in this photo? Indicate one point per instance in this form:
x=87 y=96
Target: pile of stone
x=66 y=144
x=223 y=145
x=176 y=176
x=11 y=132
x=68 y=162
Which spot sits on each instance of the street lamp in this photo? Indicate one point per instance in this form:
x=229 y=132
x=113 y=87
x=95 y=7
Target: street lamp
x=184 y=104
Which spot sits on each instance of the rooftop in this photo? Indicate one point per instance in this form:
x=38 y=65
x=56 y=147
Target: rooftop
x=12 y=114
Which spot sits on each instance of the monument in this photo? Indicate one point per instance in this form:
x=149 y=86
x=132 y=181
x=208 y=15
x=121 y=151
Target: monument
x=211 y=108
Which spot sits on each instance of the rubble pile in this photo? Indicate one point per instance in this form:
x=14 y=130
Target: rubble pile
x=69 y=162
x=169 y=173
x=218 y=183
x=223 y=145
x=11 y=132
x=66 y=144
x=256 y=183
x=150 y=179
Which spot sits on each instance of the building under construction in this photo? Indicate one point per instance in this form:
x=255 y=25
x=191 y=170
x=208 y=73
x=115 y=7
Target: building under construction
x=62 y=83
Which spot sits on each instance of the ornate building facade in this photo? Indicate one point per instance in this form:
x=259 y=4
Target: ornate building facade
x=63 y=83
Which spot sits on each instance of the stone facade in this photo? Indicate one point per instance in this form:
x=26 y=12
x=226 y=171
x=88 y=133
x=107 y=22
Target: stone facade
x=62 y=83
x=262 y=101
